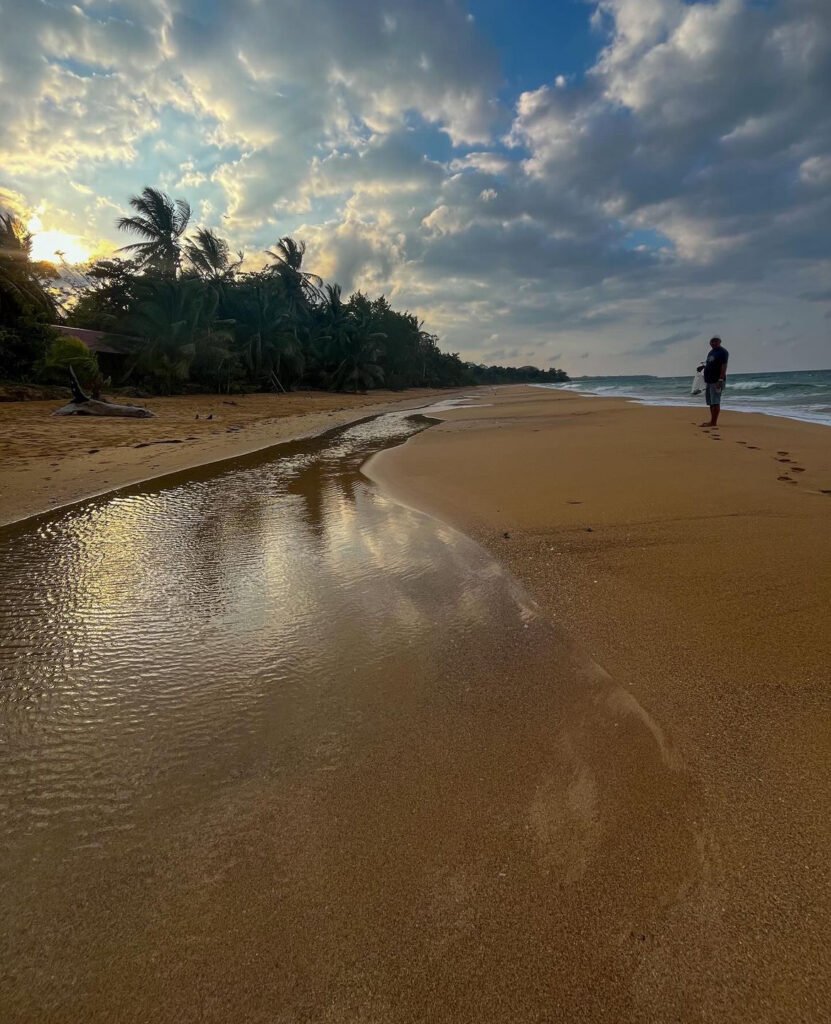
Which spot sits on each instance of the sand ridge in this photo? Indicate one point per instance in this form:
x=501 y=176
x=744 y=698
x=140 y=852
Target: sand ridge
x=47 y=461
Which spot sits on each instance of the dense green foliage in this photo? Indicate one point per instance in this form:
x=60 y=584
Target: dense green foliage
x=64 y=352
x=186 y=316
x=25 y=305
x=517 y=375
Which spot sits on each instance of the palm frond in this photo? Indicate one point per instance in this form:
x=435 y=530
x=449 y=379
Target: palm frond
x=182 y=216
x=137 y=226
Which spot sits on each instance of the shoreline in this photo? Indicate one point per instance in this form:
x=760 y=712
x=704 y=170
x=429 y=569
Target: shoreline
x=635 y=776
x=56 y=477
x=312 y=777
x=48 y=464
x=740 y=390
x=657 y=404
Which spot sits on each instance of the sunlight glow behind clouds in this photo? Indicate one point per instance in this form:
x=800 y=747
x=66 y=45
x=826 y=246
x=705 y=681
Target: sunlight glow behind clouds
x=684 y=174
x=53 y=246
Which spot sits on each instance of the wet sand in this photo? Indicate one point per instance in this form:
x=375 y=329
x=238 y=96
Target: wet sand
x=47 y=462
x=693 y=566
x=275 y=748
x=443 y=801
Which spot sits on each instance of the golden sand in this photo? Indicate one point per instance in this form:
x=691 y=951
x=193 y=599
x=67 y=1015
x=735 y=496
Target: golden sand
x=48 y=461
x=617 y=812
x=695 y=567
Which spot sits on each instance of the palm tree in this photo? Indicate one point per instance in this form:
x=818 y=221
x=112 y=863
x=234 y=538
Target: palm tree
x=210 y=256
x=175 y=322
x=361 y=367
x=21 y=288
x=351 y=346
x=264 y=329
x=302 y=288
x=161 y=222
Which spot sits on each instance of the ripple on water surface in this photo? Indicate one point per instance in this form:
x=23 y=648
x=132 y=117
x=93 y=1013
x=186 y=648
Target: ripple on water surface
x=273 y=743
x=150 y=638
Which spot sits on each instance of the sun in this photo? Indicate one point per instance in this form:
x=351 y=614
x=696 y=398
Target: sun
x=55 y=246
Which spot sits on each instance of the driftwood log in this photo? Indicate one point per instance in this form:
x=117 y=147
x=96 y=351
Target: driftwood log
x=83 y=405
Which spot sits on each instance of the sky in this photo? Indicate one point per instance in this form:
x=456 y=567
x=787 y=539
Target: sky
x=599 y=185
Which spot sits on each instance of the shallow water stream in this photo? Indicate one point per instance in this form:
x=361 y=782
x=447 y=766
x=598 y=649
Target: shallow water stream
x=149 y=638
x=272 y=745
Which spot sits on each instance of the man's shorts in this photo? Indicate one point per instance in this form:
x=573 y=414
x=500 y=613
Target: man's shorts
x=712 y=394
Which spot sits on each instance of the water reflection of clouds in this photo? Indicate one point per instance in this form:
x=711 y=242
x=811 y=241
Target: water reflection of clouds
x=153 y=632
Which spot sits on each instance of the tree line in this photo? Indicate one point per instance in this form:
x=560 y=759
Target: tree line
x=185 y=315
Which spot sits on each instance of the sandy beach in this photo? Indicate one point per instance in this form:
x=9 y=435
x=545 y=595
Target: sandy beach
x=592 y=788
x=693 y=566
x=47 y=461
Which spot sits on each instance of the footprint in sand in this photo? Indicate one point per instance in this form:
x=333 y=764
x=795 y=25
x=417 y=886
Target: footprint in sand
x=741 y=442
x=797 y=469
x=787 y=479
x=783 y=453
x=825 y=490
x=784 y=460
x=753 y=447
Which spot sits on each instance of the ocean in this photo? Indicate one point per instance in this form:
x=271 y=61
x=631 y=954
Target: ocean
x=797 y=395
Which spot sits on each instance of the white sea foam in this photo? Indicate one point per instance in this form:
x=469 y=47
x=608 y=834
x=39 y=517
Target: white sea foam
x=798 y=395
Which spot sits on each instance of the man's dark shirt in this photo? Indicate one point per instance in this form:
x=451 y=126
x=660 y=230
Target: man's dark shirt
x=712 y=367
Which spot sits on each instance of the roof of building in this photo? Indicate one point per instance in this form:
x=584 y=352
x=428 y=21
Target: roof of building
x=94 y=340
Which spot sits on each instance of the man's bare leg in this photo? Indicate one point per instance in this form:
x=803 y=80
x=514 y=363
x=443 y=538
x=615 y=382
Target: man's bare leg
x=714 y=411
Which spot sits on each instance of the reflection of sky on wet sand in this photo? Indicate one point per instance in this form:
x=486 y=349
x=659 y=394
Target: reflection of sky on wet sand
x=151 y=635
x=262 y=727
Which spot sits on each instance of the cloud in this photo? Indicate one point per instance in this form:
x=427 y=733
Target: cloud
x=684 y=318
x=662 y=344
x=675 y=132
x=14 y=203
x=680 y=180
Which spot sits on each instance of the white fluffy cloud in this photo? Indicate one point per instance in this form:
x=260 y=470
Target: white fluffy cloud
x=686 y=171
x=679 y=186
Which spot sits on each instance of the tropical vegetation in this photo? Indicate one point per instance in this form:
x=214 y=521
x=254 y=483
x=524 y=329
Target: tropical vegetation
x=26 y=308
x=67 y=352
x=184 y=314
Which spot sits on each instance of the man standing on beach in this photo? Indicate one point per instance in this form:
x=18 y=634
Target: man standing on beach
x=715 y=375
